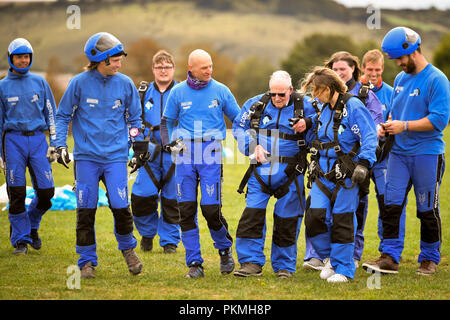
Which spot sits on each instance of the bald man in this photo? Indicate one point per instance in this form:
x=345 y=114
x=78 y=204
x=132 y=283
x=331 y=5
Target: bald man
x=198 y=104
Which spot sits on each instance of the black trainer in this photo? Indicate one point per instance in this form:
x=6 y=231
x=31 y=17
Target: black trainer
x=21 y=248
x=36 y=242
x=146 y=244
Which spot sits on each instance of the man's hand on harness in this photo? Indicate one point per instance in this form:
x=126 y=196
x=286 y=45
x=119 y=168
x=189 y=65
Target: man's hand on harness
x=175 y=147
x=260 y=155
x=360 y=173
x=141 y=155
x=300 y=125
x=51 y=154
x=62 y=156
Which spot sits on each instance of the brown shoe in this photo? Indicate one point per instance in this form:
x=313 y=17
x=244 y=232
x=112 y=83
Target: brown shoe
x=385 y=265
x=249 y=269
x=88 y=271
x=284 y=274
x=133 y=262
x=427 y=267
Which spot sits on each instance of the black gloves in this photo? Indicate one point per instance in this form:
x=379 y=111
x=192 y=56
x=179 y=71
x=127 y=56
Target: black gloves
x=361 y=172
x=141 y=155
x=62 y=156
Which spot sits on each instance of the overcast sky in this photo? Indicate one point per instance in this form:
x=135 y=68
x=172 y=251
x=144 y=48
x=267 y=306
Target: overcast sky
x=398 y=4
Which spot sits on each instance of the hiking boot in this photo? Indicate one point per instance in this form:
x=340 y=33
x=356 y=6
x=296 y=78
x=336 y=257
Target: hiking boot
x=337 y=278
x=88 y=271
x=327 y=270
x=249 y=269
x=195 y=271
x=384 y=265
x=313 y=264
x=36 y=242
x=170 y=248
x=427 y=267
x=283 y=274
x=226 y=261
x=21 y=248
x=133 y=262
x=146 y=244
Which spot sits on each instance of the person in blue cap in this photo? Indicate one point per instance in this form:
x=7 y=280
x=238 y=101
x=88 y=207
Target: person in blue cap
x=420 y=109
x=104 y=108
x=27 y=109
x=265 y=131
x=199 y=104
x=342 y=152
x=155 y=181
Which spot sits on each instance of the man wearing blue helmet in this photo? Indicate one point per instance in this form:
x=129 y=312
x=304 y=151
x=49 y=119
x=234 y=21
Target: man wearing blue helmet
x=104 y=108
x=27 y=109
x=420 y=112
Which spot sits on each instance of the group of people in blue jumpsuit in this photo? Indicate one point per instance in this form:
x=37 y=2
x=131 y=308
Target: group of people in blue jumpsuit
x=355 y=129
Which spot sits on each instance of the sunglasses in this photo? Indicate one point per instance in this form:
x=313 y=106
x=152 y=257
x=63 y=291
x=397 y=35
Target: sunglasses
x=281 y=95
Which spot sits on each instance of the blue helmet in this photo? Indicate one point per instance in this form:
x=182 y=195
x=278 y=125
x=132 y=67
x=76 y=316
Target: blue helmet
x=101 y=46
x=20 y=46
x=400 y=41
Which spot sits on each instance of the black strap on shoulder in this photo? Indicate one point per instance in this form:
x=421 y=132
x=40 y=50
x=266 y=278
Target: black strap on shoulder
x=363 y=92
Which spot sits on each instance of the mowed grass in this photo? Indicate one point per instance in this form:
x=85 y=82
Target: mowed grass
x=43 y=274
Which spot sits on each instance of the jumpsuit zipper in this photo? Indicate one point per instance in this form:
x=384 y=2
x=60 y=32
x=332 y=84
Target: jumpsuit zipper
x=326 y=135
x=274 y=144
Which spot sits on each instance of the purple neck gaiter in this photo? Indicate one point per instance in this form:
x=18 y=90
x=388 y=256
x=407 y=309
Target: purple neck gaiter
x=194 y=83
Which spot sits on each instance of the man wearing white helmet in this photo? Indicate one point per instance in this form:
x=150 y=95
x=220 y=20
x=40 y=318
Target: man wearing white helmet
x=27 y=109
x=104 y=108
x=420 y=109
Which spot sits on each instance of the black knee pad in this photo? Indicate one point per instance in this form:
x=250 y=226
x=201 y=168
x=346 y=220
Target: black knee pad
x=430 y=226
x=251 y=224
x=391 y=221
x=85 y=227
x=188 y=209
x=360 y=214
x=124 y=220
x=17 y=197
x=213 y=216
x=45 y=196
x=143 y=206
x=343 y=229
x=315 y=222
x=284 y=230
x=170 y=211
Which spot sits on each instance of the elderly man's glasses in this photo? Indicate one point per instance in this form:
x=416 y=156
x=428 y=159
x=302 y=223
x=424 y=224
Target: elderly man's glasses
x=281 y=95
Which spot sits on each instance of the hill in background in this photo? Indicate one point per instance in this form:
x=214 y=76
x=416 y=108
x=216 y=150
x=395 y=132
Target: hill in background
x=237 y=29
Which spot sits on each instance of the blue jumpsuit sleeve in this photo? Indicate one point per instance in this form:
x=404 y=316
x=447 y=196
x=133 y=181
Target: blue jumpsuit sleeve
x=439 y=103
x=170 y=116
x=363 y=126
x=241 y=128
x=231 y=108
x=134 y=111
x=2 y=118
x=66 y=109
x=50 y=113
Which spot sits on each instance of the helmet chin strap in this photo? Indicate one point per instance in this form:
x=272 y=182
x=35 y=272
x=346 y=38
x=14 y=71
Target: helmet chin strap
x=107 y=61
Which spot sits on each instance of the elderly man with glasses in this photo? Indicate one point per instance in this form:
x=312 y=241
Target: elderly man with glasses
x=270 y=130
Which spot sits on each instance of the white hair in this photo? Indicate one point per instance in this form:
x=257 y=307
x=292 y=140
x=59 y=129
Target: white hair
x=281 y=76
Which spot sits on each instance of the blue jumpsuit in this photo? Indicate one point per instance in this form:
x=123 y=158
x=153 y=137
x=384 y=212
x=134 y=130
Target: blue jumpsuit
x=379 y=169
x=375 y=108
x=417 y=159
x=289 y=209
x=27 y=108
x=101 y=110
x=202 y=127
x=145 y=194
x=331 y=227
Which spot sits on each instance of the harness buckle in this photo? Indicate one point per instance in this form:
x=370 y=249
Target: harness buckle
x=337 y=149
x=301 y=143
x=313 y=151
x=299 y=169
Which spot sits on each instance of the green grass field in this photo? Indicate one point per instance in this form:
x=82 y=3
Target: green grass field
x=43 y=274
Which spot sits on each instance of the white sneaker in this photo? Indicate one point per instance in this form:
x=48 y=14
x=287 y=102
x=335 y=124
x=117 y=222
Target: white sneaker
x=337 y=277
x=313 y=264
x=327 y=270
